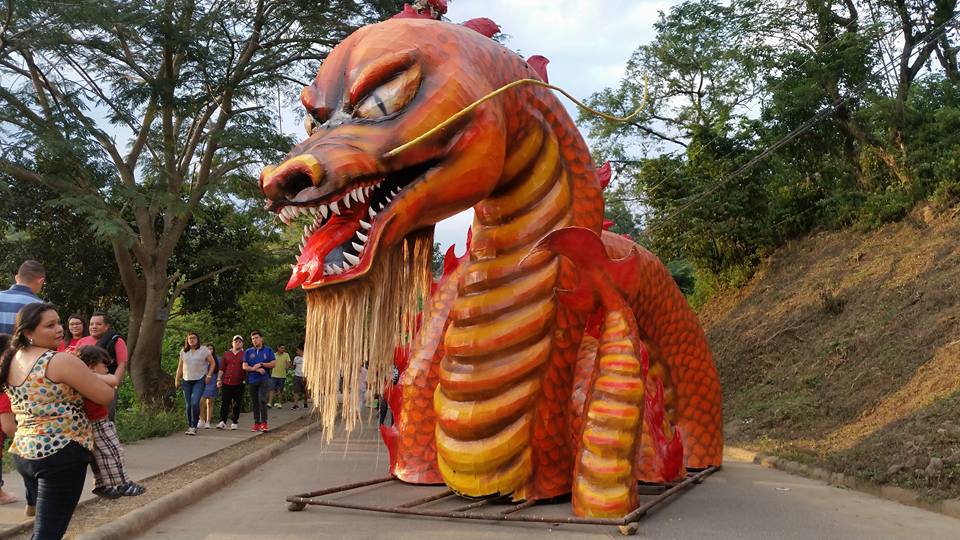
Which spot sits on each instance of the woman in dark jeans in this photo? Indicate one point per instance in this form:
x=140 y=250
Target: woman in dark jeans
x=53 y=440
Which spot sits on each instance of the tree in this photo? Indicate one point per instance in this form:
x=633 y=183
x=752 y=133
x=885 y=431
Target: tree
x=135 y=112
x=81 y=274
x=728 y=81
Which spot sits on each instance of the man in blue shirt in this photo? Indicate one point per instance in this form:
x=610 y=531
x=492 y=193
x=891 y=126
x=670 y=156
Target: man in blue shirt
x=29 y=280
x=257 y=361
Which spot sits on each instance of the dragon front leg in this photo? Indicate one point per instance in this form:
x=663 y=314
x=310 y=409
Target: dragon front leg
x=620 y=420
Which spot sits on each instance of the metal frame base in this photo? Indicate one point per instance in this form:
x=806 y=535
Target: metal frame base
x=627 y=525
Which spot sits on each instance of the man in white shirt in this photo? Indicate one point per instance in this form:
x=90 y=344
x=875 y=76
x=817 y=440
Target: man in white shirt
x=299 y=381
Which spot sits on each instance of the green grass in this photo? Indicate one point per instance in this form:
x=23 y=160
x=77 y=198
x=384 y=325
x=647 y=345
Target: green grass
x=138 y=424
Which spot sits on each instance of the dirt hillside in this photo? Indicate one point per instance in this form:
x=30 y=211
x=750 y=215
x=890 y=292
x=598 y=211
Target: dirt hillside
x=844 y=350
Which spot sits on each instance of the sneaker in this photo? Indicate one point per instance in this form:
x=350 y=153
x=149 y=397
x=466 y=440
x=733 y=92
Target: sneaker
x=206 y=425
x=30 y=510
x=191 y=431
x=222 y=425
x=295 y=407
x=264 y=428
x=255 y=427
x=233 y=426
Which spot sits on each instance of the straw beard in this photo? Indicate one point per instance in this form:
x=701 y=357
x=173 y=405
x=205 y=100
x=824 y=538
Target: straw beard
x=362 y=321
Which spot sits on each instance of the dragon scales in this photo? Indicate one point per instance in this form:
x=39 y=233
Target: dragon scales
x=554 y=357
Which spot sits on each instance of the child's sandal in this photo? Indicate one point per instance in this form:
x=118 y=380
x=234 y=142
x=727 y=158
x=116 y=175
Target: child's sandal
x=131 y=489
x=108 y=492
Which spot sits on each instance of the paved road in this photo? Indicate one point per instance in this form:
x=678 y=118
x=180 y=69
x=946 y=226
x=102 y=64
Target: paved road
x=742 y=501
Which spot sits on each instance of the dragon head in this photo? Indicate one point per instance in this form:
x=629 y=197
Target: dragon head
x=380 y=88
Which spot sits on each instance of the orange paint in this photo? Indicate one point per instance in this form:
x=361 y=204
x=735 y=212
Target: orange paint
x=503 y=392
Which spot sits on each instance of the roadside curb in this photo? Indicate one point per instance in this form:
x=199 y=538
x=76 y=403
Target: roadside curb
x=132 y=523
x=909 y=497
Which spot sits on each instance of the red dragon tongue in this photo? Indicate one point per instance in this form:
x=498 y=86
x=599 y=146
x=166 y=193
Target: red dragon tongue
x=309 y=267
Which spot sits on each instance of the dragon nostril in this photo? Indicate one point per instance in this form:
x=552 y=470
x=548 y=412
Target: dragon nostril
x=295 y=181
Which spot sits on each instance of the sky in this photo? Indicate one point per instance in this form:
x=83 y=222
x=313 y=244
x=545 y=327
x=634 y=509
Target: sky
x=587 y=42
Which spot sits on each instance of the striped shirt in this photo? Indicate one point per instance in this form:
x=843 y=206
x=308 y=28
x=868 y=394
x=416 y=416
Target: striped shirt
x=11 y=301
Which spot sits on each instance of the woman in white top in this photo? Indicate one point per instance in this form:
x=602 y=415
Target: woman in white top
x=194 y=371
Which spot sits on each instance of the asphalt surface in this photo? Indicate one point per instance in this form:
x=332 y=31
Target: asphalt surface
x=742 y=501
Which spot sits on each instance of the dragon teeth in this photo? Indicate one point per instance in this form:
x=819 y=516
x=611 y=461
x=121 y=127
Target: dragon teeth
x=358 y=195
x=357 y=246
x=335 y=208
x=327 y=269
x=323 y=211
x=352 y=259
x=361 y=236
x=366 y=226
x=372 y=213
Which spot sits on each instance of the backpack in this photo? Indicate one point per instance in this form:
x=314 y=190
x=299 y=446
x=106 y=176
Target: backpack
x=108 y=342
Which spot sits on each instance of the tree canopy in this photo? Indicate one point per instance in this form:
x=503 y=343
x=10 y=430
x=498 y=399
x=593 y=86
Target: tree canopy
x=142 y=118
x=772 y=118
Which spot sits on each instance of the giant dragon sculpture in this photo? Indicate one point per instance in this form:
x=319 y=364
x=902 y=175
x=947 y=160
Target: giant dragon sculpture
x=554 y=357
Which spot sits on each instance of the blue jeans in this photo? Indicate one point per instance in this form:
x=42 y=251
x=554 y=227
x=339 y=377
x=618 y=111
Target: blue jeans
x=192 y=390
x=57 y=480
x=258 y=397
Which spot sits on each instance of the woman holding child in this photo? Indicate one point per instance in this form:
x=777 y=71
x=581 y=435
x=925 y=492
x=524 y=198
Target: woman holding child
x=53 y=440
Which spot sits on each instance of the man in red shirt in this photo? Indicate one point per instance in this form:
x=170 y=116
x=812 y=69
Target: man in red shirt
x=102 y=336
x=230 y=381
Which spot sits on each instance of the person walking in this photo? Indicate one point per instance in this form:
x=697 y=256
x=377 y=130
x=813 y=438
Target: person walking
x=53 y=441
x=28 y=281
x=210 y=391
x=299 y=381
x=194 y=371
x=257 y=362
x=230 y=382
x=76 y=331
x=279 y=377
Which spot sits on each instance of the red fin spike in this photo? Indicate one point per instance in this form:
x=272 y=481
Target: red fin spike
x=585 y=248
x=484 y=26
x=410 y=13
x=390 y=436
x=539 y=64
x=450 y=261
x=603 y=174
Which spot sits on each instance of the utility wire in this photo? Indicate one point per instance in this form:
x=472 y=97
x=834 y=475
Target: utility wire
x=756 y=93
x=934 y=34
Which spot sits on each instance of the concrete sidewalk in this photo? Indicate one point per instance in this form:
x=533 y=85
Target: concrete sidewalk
x=153 y=456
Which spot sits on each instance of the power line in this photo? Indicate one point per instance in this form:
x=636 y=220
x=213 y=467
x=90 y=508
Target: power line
x=757 y=92
x=934 y=34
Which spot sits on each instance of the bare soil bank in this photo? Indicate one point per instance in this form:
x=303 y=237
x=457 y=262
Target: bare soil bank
x=844 y=351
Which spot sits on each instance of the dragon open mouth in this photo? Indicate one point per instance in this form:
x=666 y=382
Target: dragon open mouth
x=341 y=229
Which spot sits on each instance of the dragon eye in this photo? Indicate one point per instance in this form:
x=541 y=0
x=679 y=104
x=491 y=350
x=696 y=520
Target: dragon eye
x=391 y=96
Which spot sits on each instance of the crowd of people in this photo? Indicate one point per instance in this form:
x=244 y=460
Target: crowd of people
x=206 y=377
x=59 y=397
